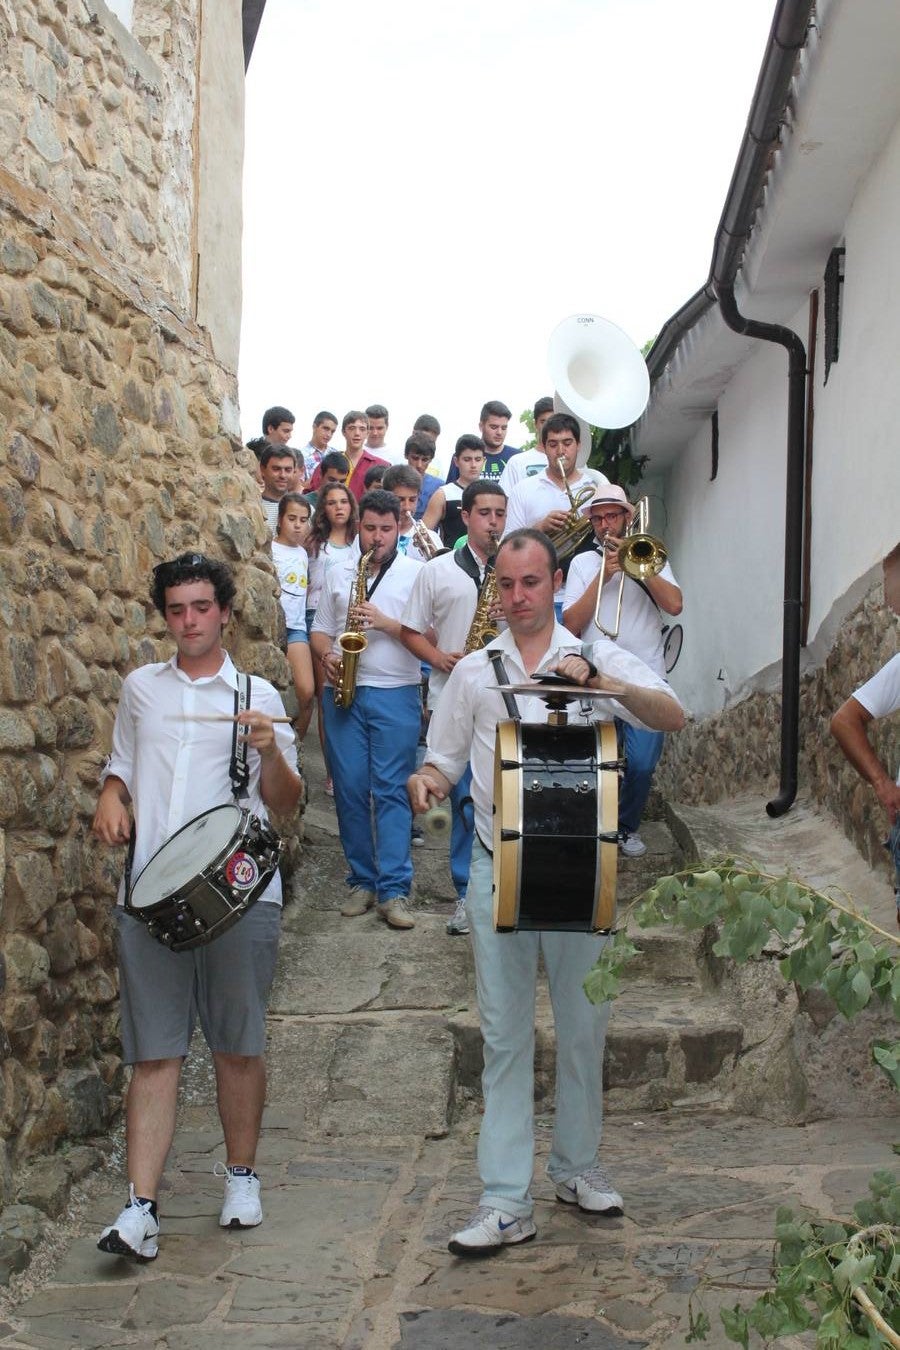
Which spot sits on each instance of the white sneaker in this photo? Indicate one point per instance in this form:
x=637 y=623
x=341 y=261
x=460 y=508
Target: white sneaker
x=241 y=1207
x=488 y=1230
x=633 y=846
x=134 y=1232
x=459 y=922
x=591 y=1191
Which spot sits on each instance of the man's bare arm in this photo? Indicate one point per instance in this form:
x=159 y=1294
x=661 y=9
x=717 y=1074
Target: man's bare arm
x=850 y=728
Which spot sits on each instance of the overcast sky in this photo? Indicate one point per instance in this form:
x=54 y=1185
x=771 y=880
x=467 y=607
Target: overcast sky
x=429 y=188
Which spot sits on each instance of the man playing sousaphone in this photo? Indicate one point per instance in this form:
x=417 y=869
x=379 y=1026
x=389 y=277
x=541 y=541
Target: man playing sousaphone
x=463 y=729
x=174 y=750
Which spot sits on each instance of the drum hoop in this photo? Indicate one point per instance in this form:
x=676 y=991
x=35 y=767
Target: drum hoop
x=216 y=861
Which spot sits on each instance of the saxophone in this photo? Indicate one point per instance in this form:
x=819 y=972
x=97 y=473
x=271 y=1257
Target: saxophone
x=353 y=641
x=483 y=629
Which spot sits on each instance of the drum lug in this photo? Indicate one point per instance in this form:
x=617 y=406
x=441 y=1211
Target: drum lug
x=509 y=836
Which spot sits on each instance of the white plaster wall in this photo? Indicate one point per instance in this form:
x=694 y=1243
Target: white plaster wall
x=856 y=477
x=221 y=144
x=726 y=537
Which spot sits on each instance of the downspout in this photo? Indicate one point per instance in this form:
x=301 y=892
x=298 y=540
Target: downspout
x=787 y=38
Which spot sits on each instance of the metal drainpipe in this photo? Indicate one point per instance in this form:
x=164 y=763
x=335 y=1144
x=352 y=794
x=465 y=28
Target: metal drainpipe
x=793 y=537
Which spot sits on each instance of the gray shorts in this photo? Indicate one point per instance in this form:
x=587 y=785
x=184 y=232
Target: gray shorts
x=224 y=984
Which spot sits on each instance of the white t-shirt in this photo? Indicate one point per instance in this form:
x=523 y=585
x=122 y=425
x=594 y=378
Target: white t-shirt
x=444 y=598
x=292 y=566
x=410 y=549
x=880 y=696
x=385 y=663
x=176 y=768
x=640 y=630
x=465 y=721
x=321 y=563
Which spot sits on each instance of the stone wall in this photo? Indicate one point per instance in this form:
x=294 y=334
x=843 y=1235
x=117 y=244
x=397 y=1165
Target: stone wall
x=116 y=449
x=741 y=746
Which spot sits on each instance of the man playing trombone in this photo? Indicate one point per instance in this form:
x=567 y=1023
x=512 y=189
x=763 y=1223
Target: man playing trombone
x=629 y=612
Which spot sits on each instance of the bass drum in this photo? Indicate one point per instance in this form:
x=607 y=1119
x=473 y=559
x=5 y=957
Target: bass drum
x=205 y=877
x=556 y=805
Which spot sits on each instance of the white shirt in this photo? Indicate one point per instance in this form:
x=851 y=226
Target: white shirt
x=640 y=630
x=292 y=566
x=270 y=511
x=880 y=696
x=531 y=462
x=385 y=663
x=533 y=498
x=321 y=563
x=444 y=598
x=465 y=721
x=176 y=769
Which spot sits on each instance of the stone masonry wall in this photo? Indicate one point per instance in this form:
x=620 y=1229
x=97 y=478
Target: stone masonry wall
x=116 y=450
x=741 y=746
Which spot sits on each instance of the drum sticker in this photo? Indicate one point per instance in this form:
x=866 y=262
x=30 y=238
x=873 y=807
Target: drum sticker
x=241 y=871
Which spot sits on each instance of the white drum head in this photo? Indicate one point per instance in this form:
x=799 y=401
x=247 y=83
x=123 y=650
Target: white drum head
x=186 y=855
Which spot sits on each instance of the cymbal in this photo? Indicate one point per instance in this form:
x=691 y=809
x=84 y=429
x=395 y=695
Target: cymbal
x=569 y=692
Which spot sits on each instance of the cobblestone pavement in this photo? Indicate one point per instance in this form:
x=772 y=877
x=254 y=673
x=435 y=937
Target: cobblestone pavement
x=367 y=1164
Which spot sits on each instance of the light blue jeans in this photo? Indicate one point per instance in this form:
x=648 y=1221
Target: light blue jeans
x=506 y=968
x=372 y=752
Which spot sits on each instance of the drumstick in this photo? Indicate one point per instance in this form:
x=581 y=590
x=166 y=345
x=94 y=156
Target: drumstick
x=214 y=717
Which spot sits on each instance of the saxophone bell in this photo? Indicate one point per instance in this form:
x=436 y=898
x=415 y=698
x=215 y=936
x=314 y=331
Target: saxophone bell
x=353 y=641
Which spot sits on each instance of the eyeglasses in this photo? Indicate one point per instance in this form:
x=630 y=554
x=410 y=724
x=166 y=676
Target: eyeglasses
x=185 y=562
x=607 y=517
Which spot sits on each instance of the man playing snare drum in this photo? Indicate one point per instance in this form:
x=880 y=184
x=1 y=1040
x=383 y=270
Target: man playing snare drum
x=171 y=761
x=463 y=727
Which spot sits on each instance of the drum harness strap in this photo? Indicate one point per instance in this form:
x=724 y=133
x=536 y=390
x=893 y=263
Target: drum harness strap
x=239 y=770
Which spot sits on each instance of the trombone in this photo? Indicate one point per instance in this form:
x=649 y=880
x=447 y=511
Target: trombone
x=640 y=556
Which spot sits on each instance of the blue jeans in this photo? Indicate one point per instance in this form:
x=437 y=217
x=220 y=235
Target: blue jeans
x=462 y=833
x=642 y=752
x=506 y=966
x=372 y=752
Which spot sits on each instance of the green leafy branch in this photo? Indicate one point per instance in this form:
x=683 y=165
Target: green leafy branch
x=843 y=1279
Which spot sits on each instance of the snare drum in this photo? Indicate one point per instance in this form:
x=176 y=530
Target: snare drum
x=556 y=802
x=205 y=877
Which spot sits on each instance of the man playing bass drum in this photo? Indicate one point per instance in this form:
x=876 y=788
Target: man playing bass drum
x=172 y=748
x=463 y=727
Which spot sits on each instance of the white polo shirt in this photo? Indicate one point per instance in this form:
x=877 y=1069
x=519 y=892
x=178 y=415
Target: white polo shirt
x=640 y=630
x=385 y=663
x=529 y=463
x=465 y=721
x=174 y=768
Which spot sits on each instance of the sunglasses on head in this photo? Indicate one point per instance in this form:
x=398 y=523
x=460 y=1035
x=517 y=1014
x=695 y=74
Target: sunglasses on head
x=185 y=562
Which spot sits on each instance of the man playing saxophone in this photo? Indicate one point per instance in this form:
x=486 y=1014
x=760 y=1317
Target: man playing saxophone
x=437 y=623
x=372 y=741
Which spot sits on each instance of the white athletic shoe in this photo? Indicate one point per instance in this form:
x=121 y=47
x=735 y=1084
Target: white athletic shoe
x=241 y=1207
x=459 y=922
x=488 y=1230
x=134 y=1232
x=633 y=846
x=591 y=1191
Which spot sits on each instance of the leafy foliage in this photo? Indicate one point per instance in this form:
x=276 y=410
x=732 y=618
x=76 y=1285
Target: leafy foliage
x=840 y=1279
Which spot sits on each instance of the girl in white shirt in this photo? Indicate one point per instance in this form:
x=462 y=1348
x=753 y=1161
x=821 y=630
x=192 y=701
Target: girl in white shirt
x=292 y=566
x=331 y=538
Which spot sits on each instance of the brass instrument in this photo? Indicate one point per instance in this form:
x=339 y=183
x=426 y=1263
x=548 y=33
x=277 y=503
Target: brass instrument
x=640 y=556
x=576 y=527
x=424 y=542
x=353 y=641
x=483 y=628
